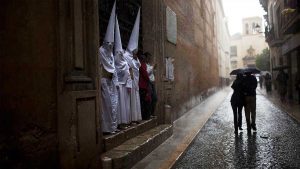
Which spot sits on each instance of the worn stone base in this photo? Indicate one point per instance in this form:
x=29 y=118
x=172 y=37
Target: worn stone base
x=111 y=141
x=133 y=150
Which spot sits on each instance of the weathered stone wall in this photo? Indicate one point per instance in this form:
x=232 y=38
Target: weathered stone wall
x=28 y=84
x=195 y=54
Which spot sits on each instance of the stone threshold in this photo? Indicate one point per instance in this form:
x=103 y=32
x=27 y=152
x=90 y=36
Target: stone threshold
x=133 y=150
x=111 y=141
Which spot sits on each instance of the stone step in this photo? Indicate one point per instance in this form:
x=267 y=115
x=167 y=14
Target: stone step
x=133 y=150
x=111 y=141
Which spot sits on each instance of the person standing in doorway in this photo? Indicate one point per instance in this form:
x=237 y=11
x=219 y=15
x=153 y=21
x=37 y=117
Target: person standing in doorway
x=282 y=79
x=261 y=80
x=130 y=56
x=151 y=71
x=145 y=93
x=124 y=81
x=237 y=102
x=268 y=82
x=109 y=80
x=250 y=85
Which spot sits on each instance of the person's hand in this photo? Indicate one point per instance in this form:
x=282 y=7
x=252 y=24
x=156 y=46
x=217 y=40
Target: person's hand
x=131 y=73
x=154 y=65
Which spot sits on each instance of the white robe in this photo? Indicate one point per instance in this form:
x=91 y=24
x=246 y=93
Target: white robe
x=125 y=83
x=135 y=103
x=109 y=98
x=109 y=93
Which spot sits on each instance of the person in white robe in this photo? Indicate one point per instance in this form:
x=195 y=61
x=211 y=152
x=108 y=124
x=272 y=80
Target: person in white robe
x=135 y=104
x=109 y=94
x=134 y=64
x=124 y=79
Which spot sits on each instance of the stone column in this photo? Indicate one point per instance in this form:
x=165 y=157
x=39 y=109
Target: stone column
x=154 y=42
x=79 y=131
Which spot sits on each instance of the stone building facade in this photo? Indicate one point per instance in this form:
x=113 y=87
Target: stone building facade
x=283 y=36
x=244 y=47
x=50 y=73
x=223 y=37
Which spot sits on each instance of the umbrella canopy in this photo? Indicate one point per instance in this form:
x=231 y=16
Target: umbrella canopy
x=236 y=71
x=252 y=70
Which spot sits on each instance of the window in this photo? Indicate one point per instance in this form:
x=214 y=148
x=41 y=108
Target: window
x=233 y=51
x=233 y=64
x=253 y=28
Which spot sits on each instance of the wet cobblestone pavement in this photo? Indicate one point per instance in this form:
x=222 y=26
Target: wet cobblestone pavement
x=276 y=144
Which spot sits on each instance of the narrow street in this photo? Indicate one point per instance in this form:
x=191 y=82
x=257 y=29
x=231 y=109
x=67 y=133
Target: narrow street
x=274 y=145
x=146 y=84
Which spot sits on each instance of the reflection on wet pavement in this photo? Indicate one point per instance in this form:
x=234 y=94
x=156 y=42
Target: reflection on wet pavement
x=276 y=144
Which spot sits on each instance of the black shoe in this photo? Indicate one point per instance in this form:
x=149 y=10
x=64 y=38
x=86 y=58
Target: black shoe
x=240 y=128
x=254 y=127
x=236 y=132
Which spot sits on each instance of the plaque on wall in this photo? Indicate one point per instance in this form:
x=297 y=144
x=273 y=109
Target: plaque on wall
x=171 y=22
x=169 y=69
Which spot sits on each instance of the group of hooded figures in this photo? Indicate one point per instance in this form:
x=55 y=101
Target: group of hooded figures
x=120 y=77
x=244 y=95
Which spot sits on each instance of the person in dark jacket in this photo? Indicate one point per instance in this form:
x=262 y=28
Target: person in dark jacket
x=282 y=82
x=145 y=93
x=268 y=82
x=250 y=85
x=237 y=102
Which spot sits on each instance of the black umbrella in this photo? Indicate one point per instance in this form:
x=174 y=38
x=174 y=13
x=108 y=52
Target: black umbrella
x=236 y=71
x=252 y=70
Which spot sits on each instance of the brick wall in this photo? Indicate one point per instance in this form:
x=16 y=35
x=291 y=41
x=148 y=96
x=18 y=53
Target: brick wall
x=195 y=54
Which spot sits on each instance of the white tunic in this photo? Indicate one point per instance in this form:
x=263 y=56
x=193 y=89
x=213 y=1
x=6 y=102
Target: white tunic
x=109 y=98
x=125 y=83
x=135 y=96
x=109 y=94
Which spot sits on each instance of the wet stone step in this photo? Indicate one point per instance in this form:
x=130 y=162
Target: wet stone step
x=133 y=150
x=111 y=141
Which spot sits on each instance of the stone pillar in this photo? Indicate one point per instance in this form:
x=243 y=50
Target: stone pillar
x=79 y=131
x=154 y=42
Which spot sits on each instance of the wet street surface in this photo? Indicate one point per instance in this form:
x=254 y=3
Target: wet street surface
x=276 y=144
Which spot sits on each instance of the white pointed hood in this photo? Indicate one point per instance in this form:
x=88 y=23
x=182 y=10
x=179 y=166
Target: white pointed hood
x=109 y=35
x=118 y=41
x=134 y=37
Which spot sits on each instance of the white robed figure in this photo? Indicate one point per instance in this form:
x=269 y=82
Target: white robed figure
x=134 y=64
x=109 y=94
x=124 y=79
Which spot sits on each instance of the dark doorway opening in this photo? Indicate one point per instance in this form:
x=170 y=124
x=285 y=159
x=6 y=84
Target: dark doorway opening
x=126 y=11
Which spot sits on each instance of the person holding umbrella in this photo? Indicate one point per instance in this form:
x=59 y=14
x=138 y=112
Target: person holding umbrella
x=250 y=85
x=237 y=102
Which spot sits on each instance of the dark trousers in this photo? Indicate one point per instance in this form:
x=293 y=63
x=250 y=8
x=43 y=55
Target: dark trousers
x=250 y=111
x=145 y=110
x=237 y=115
x=153 y=98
